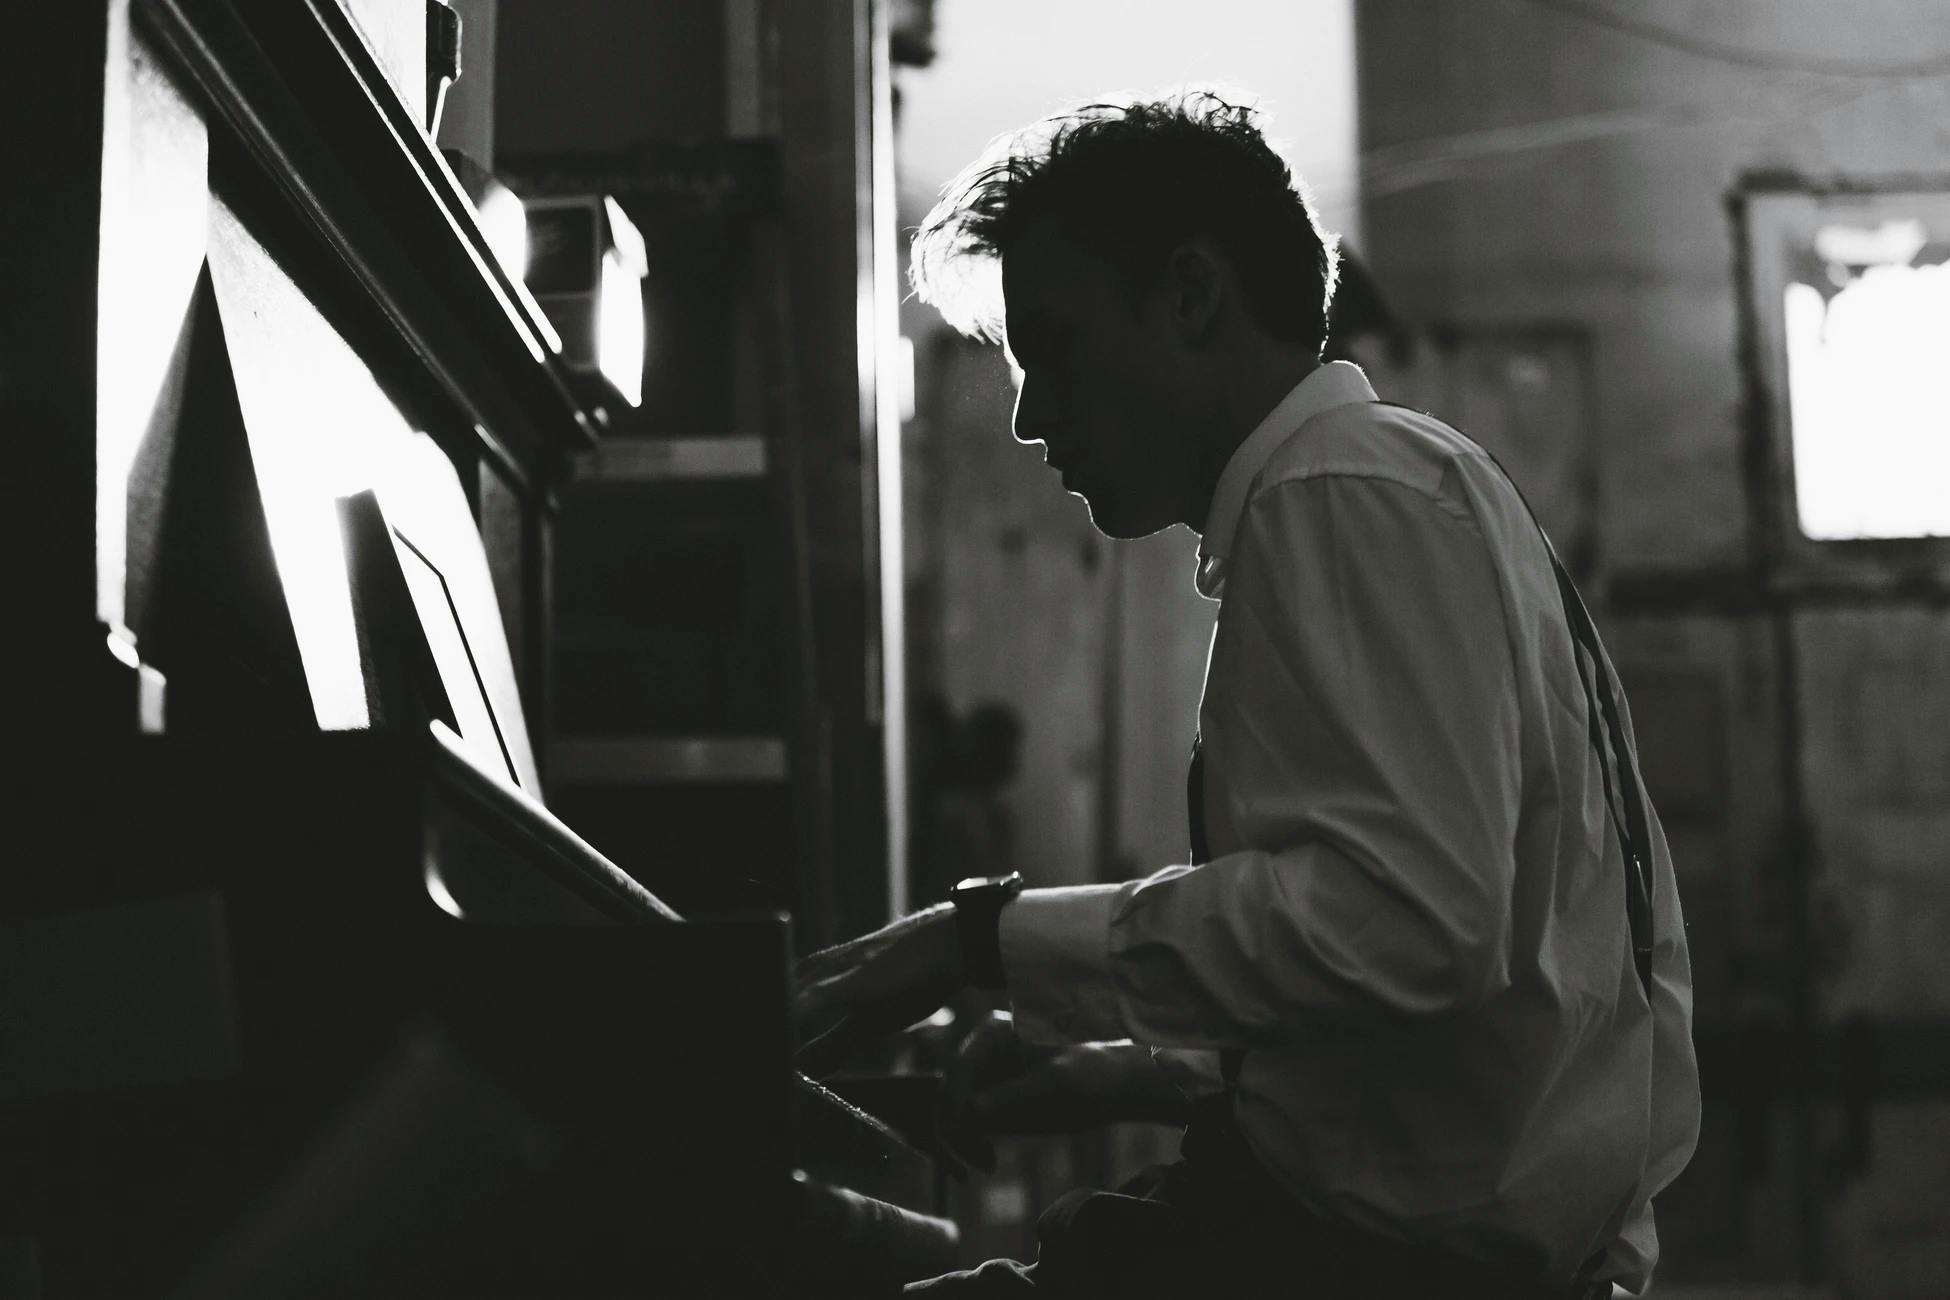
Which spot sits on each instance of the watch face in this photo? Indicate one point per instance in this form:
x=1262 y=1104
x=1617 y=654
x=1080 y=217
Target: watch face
x=1009 y=885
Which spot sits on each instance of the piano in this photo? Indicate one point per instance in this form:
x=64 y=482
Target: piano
x=303 y=989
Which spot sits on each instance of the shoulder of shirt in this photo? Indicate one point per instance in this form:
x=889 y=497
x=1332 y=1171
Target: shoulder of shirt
x=1371 y=441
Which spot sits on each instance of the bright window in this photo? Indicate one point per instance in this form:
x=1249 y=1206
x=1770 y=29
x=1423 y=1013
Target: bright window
x=1867 y=325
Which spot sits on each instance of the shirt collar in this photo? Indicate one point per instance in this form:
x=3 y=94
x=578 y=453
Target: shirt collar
x=1336 y=383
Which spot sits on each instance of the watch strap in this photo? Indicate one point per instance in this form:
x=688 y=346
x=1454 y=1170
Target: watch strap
x=978 y=918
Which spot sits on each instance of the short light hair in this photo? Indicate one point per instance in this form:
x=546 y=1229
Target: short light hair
x=1134 y=178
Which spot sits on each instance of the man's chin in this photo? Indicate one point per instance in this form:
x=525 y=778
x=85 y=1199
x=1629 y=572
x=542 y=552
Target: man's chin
x=1119 y=526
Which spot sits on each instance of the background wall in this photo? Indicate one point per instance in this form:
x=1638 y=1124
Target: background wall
x=1519 y=162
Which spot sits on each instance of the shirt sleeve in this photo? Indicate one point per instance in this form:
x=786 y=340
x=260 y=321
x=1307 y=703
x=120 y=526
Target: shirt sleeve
x=1365 y=720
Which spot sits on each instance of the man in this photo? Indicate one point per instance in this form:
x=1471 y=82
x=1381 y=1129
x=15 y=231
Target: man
x=1423 y=994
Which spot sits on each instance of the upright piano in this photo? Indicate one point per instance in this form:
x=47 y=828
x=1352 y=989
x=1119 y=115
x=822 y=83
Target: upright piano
x=303 y=990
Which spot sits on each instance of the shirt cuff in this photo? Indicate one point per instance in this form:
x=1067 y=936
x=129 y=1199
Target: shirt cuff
x=1056 y=962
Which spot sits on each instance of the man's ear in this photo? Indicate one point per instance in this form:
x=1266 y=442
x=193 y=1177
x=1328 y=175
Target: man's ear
x=1197 y=283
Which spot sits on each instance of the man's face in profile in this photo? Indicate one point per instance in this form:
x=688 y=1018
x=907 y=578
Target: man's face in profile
x=1098 y=383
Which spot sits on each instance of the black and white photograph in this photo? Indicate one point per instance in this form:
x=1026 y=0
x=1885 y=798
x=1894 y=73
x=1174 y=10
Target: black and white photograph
x=976 y=650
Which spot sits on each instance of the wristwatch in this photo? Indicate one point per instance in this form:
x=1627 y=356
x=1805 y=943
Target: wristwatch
x=978 y=913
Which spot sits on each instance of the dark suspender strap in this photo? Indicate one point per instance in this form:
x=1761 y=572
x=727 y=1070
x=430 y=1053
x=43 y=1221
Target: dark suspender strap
x=1635 y=838
x=1195 y=802
x=1231 y=1059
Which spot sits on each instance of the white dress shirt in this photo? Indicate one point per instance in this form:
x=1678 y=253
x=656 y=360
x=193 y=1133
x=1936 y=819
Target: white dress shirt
x=1414 y=915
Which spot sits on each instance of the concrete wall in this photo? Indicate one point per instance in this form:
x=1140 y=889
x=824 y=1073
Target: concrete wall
x=1520 y=164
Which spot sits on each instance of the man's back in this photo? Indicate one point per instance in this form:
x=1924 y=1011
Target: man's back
x=1393 y=674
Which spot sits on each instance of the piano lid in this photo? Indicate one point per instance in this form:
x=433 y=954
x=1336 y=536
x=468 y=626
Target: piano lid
x=322 y=430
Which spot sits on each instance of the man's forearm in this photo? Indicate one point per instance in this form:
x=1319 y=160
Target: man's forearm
x=1082 y=1086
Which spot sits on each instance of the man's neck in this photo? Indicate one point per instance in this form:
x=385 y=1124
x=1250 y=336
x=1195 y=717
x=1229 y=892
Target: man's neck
x=1244 y=399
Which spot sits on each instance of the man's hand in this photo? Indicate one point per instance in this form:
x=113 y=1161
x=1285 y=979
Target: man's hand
x=874 y=986
x=1000 y=1084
